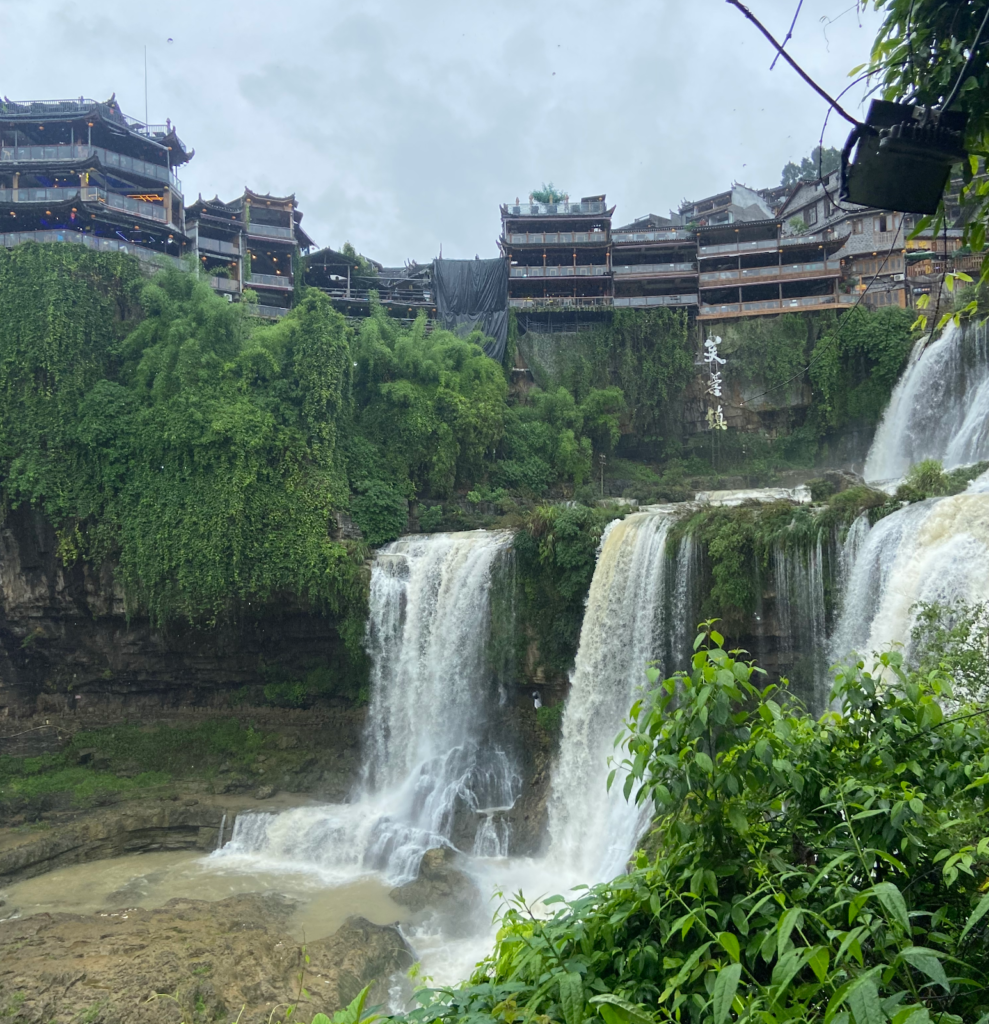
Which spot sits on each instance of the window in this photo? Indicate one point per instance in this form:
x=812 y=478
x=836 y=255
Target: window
x=810 y=214
x=880 y=223
x=857 y=226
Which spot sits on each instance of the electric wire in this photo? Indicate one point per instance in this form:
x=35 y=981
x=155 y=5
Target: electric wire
x=793 y=64
x=789 y=34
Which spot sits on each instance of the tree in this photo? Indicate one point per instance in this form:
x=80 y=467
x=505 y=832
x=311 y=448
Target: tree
x=923 y=53
x=819 y=164
x=548 y=194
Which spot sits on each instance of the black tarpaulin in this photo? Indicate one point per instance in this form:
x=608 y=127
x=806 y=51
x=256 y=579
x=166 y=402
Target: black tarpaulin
x=473 y=295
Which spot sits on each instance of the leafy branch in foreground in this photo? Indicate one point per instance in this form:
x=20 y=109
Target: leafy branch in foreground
x=826 y=870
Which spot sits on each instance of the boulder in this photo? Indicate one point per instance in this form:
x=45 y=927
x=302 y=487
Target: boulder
x=441 y=886
x=189 y=960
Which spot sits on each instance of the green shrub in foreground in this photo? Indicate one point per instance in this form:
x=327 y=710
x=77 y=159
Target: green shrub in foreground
x=803 y=870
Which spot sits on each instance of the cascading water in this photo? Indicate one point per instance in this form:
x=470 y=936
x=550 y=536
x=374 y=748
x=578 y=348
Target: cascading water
x=801 y=619
x=938 y=410
x=931 y=551
x=434 y=774
x=593 y=832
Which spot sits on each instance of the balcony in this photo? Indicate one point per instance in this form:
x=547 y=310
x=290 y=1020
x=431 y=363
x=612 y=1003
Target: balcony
x=9 y=239
x=67 y=153
x=272 y=281
x=763 y=245
x=559 y=238
x=86 y=194
x=773 y=306
x=225 y=285
x=655 y=269
x=640 y=301
x=555 y=209
x=563 y=302
x=269 y=312
x=217 y=245
x=588 y=270
x=786 y=272
x=270 y=231
x=659 y=235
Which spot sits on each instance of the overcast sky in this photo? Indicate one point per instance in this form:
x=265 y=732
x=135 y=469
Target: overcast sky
x=400 y=126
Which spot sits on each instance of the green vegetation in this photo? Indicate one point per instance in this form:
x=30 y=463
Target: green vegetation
x=803 y=870
x=548 y=194
x=98 y=767
x=120 y=762
x=647 y=354
x=923 y=52
x=954 y=638
x=197 y=451
x=819 y=164
x=207 y=453
x=555 y=554
x=928 y=479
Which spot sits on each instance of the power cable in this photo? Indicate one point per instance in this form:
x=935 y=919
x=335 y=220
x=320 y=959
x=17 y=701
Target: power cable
x=789 y=34
x=793 y=64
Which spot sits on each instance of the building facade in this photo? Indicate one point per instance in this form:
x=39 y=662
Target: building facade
x=559 y=254
x=654 y=263
x=751 y=268
x=82 y=171
x=251 y=242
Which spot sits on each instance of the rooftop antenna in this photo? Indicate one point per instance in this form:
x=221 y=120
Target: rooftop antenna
x=145 y=85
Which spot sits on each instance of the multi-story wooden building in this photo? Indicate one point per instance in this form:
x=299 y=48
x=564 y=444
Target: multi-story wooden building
x=750 y=268
x=250 y=242
x=654 y=263
x=82 y=171
x=559 y=254
x=403 y=291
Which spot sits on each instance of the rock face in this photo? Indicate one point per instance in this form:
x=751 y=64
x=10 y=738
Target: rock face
x=441 y=885
x=189 y=960
x=66 y=642
x=134 y=828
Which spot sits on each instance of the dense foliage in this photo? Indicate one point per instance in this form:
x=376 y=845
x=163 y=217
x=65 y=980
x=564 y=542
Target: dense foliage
x=647 y=354
x=208 y=453
x=819 y=164
x=802 y=870
x=199 y=452
x=555 y=553
x=923 y=53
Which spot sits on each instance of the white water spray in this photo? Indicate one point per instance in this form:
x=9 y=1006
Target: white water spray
x=931 y=551
x=939 y=409
x=592 y=831
x=433 y=775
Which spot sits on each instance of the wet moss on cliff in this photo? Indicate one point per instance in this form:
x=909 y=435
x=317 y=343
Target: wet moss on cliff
x=556 y=551
x=161 y=430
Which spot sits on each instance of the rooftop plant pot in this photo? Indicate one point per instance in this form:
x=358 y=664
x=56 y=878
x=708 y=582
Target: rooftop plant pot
x=903 y=157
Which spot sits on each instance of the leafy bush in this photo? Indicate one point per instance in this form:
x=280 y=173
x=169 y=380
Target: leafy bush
x=803 y=870
x=430 y=407
x=197 y=451
x=556 y=551
x=380 y=512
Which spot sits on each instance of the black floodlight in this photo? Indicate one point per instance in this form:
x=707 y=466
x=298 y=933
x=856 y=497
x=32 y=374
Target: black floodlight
x=903 y=158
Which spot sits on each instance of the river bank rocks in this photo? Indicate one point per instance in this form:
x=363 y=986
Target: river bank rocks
x=190 y=823
x=189 y=960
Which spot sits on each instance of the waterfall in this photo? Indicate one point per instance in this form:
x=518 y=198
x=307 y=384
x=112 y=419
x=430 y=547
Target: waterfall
x=939 y=409
x=801 y=619
x=934 y=550
x=686 y=603
x=433 y=772
x=592 y=831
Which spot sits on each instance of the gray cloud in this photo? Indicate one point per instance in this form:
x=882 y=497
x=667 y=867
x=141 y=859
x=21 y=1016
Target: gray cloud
x=401 y=127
